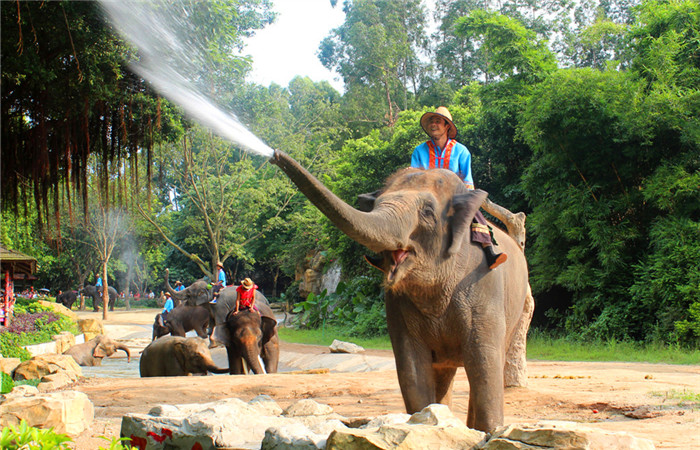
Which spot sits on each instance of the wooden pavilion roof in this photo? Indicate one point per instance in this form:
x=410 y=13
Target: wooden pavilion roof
x=16 y=262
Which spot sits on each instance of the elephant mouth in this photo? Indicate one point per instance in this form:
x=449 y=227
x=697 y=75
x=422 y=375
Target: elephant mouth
x=398 y=257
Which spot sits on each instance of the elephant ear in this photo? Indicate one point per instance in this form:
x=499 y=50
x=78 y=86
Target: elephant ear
x=365 y=202
x=221 y=334
x=180 y=352
x=465 y=206
x=268 y=327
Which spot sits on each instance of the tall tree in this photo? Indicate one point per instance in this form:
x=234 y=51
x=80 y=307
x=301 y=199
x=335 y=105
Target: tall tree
x=376 y=53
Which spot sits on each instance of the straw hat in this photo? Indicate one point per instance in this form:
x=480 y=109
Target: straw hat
x=247 y=283
x=220 y=264
x=167 y=294
x=443 y=113
x=178 y=282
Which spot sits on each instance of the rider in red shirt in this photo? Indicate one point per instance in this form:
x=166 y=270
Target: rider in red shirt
x=245 y=296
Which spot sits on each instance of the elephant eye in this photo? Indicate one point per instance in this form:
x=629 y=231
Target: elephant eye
x=427 y=214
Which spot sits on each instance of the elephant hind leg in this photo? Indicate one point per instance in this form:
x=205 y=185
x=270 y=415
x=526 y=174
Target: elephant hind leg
x=444 y=379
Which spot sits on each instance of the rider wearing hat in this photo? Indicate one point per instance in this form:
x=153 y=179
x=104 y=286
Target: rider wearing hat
x=443 y=151
x=245 y=296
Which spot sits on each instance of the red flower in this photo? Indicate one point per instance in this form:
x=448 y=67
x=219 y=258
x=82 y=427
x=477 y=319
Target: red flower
x=166 y=432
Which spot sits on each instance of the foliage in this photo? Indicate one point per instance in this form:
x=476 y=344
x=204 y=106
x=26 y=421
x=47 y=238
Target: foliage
x=543 y=345
x=357 y=307
x=25 y=437
x=6 y=383
x=32 y=323
x=376 y=53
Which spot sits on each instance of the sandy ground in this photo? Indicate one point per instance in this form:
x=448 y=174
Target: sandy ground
x=642 y=399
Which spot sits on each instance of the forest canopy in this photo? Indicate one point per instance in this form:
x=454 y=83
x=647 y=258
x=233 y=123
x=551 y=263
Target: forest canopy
x=586 y=118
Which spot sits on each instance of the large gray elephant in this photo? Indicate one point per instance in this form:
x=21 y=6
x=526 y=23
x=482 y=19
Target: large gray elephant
x=93 y=292
x=90 y=353
x=249 y=336
x=198 y=293
x=445 y=309
x=174 y=356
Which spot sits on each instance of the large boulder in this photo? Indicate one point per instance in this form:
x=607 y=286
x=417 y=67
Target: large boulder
x=59 y=308
x=67 y=412
x=64 y=341
x=433 y=427
x=559 y=434
x=8 y=365
x=41 y=365
x=91 y=327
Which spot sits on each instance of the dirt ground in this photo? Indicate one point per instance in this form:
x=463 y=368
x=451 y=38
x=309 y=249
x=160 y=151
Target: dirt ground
x=642 y=399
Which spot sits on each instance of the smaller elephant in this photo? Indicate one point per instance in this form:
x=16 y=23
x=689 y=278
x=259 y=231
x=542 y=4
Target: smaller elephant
x=67 y=298
x=95 y=292
x=90 y=353
x=182 y=319
x=174 y=356
x=249 y=336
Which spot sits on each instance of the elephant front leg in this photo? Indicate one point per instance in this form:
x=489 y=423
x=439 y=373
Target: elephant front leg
x=235 y=362
x=413 y=369
x=486 y=392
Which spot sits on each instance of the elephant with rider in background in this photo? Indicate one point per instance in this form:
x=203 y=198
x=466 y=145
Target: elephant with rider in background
x=181 y=319
x=200 y=294
x=445 y=308
x=95 y=292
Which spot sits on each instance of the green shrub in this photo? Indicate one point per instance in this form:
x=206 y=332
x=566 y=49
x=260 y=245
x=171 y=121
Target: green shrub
x=25 y=437
x=32 y=323
x=356 y=306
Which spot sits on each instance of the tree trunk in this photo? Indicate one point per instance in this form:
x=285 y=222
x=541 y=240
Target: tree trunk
x=105 y=291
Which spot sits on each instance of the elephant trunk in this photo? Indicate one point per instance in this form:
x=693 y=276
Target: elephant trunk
x=250 y=351
x=369 y=229
x=126 y=350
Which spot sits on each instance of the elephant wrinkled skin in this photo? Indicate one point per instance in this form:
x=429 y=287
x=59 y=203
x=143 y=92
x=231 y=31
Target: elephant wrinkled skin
x=250 y=336
x=90 y=353
x=445 y=309
x=174 y=356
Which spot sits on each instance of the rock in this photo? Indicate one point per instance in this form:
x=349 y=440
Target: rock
x=8 y=365
x=55 y=380
x=42 y=365
x=67 y=412
x=433 y=427
x=59 y=308
x=266 y=405
x=296 y=435
x=307 y=407
x=642 y=413
x=63 y=340
x=345 y=347
x=556 y=434
x=91 y=328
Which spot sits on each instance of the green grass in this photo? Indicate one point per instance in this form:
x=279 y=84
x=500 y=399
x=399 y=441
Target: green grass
x=539 y=347
x=681 y=398
x=546 y=348
x=325 y=336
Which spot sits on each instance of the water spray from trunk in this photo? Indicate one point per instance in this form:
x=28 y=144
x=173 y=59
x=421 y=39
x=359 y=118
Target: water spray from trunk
x=171 y=59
